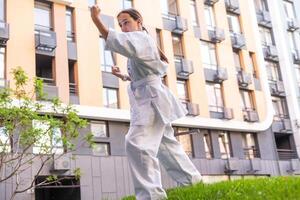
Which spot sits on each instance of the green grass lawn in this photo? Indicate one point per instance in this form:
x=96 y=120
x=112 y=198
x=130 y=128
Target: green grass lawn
x=277 y=188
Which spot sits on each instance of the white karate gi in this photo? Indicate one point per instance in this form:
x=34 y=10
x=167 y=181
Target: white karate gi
x=153 y=108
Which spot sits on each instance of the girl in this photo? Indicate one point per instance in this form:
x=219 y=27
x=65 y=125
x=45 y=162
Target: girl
x=153 y=107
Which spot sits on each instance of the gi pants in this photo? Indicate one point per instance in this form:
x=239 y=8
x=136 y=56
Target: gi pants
x=151 y=144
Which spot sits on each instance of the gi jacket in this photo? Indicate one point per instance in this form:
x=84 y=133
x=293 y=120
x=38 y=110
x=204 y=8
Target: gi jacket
x=147 y=95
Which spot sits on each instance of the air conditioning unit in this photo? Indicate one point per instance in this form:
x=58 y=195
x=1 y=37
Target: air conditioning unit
x=295 y=166
x=232 y=6
x=61 y=162
x=232 y=165
x=244 y=79
x=255 y=165
x=65 y=2
x=271 y=53
x=287 y=126
x=280 y=87
x=251 y=116
x=221 y=75
x=296 y=57
x=193 y=109
x=181 y=25
x=217 y=35
x=293 y=24
x=228 y=113
x=186 y=68
x=210 y=2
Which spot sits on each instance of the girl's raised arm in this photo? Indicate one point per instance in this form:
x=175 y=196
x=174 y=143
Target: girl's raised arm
x=95 y=15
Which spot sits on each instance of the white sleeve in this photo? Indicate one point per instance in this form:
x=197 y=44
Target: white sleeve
x=130 y=44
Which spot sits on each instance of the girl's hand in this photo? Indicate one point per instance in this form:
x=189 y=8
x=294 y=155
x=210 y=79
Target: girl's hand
x=116 y=71
x=95 y=12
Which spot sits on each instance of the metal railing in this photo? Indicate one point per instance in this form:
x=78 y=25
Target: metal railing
x=286 y=154
x=251 y=152
x=73 y=88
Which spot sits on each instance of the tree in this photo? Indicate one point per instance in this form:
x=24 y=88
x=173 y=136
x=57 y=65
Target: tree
x=34 y=132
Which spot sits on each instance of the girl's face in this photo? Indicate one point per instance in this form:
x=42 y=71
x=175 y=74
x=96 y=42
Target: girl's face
x=128 y=24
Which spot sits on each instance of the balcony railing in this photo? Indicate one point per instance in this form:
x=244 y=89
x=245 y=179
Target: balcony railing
x=73 y=88
x=286 y=154
x=251 y=152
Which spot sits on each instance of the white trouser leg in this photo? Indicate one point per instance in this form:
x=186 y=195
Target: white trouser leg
x=142 y=144
x=172 y=156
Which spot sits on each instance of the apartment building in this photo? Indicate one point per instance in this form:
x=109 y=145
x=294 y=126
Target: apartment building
x=234 y=64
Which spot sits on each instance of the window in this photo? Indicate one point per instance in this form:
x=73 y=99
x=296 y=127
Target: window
x=193 y=10
x=2 y=66
x=292 y=42
x=289 y=10
x=246 y=100
x=42 y=16
x=106 y=57
x=49 y=140
x=266 y=36
x=207 y=145
x=110 y=98
x=92 y=2
x=280 y=108
x=252 y=65
x=44 y=69
x=208 y=55
x=250 y=145
x=185 y=140
x=273 y=71
x=237 y=61
x=99 y=129
x=72 y=78
x=234 y=23
x=261 y=5
x=209 y=17
x=101 y=149
x=224 y=145
x=2 y=10
x=182 y=91
x=177 y=46
x=69 y=25
x=127 y=4
x=215 y=97
x=4 y=141
x=169 y=9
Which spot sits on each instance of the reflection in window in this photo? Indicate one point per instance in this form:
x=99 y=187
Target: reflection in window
x=280 y=108
x=42 y=16
x=5 y=146
x=193 y=10
x=99 y=129
x=209 y=17
x=110 y=97
x=185 y=140
x=127 y=4
x=208 y=55
x=215 y=97
x=101 y=149
x=234 y=23
x=182 y=91
x=69 y=25
x=49 y=140
x=224 y=145
x=106 y=57
x=207 y=145
x=250 y=146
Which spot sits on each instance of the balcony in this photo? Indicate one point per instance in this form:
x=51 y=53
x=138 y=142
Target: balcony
x=255 y=163
x=228 y=113
x=237 y=40
x=216 y=35
x=232 y=6
x=251 y=152
x=193 y=109
x=221 y=75
x=244 y=79
x=184 y=68
x=270 y=52
x=72 y=47
x=296 y=57
x=220 y=112
x=175 y=23
x=250 y=115
x=64 y=2
x=286 y=154
x=292 y=24
x=50 y=90
x=45 y=41
x=4 y=33
x=232 y=165
x=263 y=18
x=210 y=2
x=277 y=88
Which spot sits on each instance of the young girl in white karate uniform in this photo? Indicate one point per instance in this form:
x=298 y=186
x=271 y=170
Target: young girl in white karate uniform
x=150 y=138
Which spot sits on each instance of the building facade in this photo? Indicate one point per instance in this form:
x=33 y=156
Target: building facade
x=235 y=64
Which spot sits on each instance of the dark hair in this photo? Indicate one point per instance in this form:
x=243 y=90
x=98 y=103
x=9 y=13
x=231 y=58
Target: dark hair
x=136 y=15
